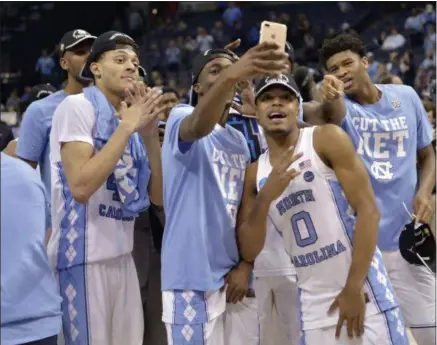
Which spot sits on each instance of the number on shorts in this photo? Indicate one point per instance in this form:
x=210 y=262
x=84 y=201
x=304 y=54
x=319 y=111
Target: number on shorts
x=112 y=186
x=303 y=229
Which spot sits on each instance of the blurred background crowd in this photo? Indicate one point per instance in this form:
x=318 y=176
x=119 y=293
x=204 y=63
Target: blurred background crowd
x=400 y=37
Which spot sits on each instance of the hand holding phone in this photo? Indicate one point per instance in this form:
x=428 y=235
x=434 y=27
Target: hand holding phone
x=273 y=32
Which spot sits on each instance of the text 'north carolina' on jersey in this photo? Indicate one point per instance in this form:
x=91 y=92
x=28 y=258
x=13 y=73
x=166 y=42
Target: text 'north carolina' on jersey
x=99 y=229
x=273 y=259
x=317 y=225
x=387 y=136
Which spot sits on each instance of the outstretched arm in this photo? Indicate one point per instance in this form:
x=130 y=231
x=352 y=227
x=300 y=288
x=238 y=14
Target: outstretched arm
x=331 y=109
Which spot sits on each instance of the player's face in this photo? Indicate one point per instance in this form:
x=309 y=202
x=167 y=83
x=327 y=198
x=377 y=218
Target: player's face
x=209 y=75
x=277 y=109
x=350 y=68
x=169 y=101
x=75 y=58
x=117 y=70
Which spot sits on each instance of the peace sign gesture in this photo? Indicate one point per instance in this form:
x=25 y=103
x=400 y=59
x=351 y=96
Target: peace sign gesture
x=281 y=175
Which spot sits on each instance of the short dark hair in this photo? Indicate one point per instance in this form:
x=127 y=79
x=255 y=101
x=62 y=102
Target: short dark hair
x=341 y=43
x=167 y=89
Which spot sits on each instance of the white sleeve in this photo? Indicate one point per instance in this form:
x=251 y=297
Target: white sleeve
x=74 y=120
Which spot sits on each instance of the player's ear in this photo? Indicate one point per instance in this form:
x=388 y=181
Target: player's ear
x=365 y=61
x=63 y=63
x=95 y=69
x=197 y=88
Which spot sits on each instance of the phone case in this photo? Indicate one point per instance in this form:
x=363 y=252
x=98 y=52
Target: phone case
x=273 y=32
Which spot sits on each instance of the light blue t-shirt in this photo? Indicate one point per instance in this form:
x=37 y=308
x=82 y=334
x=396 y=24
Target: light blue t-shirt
x=30 y=301
x=203 y=185
x=387 y=136
x=33 y=144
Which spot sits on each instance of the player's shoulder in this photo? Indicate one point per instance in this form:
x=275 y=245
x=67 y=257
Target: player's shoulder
x=326 y=131
x=14 y=169
x=47 y=105
x=74 y=103
x=398 y=91
x=251 y=173
x=327 y=137
x=180 y=110
x=78 y=100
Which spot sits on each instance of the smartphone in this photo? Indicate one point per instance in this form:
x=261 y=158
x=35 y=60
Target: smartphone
x=273 y=32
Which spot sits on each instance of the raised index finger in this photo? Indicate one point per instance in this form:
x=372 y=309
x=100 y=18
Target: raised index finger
x=233 y=45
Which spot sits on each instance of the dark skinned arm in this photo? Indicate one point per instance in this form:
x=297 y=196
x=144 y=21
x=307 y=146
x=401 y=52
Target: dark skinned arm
x=196 y=126
x=423 y=209
x=337 y=151
x=252 y=217
x=426 y=160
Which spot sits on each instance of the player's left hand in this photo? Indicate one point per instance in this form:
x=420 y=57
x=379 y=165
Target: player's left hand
x=422 y=208
x=237 y=281
x=351 y=303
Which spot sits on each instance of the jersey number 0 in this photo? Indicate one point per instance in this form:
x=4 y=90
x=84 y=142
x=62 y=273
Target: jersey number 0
x=303 y=229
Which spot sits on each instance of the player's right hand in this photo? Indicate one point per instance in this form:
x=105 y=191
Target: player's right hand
x=331 y=89
x=351 y=303
x=263 y=59
x=281 y=176
x=143 y=111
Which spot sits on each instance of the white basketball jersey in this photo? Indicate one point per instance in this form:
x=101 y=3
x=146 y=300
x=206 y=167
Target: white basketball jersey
x=317 y=225
x=273 y=259
x=91 y=232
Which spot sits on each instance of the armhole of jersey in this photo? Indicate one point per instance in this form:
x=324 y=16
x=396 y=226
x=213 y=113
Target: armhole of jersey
x=321 y=168
x=258 y=162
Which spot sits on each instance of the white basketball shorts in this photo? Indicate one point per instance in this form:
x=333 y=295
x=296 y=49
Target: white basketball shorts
x=416 y=290
x=238 y=325
x=102 y=303
x=278 y=309
x=381 y=329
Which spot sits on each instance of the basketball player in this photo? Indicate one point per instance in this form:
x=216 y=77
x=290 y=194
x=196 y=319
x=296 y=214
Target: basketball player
x=101 y=179
x=37 y=92
x=392 y=134
x=170 y=98
x=30 y=301
x=275 y=276
x=203 y=167
x=33 y=146
x=311 y=198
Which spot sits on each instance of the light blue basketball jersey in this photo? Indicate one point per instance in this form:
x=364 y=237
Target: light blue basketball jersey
x=33 y=143
x=387 y=136
x=203 y=185
x=30 y=301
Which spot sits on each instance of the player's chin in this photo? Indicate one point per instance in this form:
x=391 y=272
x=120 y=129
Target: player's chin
x=277 y=130
x=127 y=83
